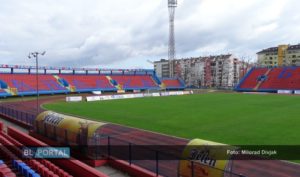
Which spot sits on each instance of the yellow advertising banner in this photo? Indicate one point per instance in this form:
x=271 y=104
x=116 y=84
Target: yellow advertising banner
x=70 y=123
x=201 y=159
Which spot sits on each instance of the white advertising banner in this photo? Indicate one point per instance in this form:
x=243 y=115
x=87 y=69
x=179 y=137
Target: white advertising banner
x=180 y=93
x=147 y=94
x=297 y=92
x=92 y=98
x=121 y=91
x=164 y=93
x=97 y=92
x=284 y=91
x=74 y=98
x=186 y=92
x=172 y=93
x=130 y=95
x=155 y=94
x=108 y=97
x=136 y=91
x=140 y=95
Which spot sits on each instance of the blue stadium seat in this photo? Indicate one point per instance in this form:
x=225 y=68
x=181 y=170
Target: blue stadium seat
x=24 y=169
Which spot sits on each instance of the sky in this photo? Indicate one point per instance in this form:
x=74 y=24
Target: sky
x=125 y=34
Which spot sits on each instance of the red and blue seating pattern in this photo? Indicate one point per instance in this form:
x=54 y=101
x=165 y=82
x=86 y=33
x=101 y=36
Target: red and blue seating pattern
x=135 y=81
x=11 y=152
x=5 y=170
x=54 y=168
x=25 y=84
x=173 y=83
x=89 y=82
x=271 y=79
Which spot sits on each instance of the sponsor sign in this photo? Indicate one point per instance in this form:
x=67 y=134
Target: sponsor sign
x=92 y=98
x=107 y=97
x=164 y=93
x=97 y=92
x=203 y=156
x=297 y=92
x=187 y=92
x=148 y=94
x=155 y=94
x=120 y=91
x=285 y=91
x=136 y=91
x=173 y=93
x=139 y=95
x=74 y=99
x=180 y=93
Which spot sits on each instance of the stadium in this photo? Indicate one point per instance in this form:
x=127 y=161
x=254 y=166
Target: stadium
x=236 y=119
x=136 y=109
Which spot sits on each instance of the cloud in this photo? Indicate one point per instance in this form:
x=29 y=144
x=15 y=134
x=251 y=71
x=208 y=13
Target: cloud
x=128 y=33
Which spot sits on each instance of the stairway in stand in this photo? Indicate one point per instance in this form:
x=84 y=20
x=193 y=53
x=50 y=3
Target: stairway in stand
x=261 y=81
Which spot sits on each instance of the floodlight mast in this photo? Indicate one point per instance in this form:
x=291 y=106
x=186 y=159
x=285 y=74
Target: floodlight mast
x=35 y=55
x=172 y=4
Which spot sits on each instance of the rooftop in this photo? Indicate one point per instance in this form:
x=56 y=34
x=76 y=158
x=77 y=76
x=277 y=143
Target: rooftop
x=271 y=49
x=294 y=47
x=275 y=49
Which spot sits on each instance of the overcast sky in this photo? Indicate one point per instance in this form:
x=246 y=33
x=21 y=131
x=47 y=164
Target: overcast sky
x=125 y=34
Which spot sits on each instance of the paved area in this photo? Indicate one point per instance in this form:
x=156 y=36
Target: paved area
x=111 y=171
x=7 y=123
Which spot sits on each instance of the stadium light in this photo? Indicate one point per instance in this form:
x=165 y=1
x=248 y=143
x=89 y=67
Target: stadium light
x=36 y=56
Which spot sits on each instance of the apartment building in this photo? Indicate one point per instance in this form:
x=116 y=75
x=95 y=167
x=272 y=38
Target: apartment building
x=209 y=71
x=282 y=55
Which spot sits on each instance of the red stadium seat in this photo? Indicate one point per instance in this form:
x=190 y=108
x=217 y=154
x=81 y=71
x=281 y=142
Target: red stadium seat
x=88 y=81
x=135 y=81
x=172 y=83
x=27 y=82
x=280 y=78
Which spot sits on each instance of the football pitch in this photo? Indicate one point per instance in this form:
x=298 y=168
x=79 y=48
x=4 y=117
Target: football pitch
x=230 y=118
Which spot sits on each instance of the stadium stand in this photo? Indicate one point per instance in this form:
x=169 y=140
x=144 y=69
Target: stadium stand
x=135 y=81
x=71 y=166
x=251 y=78
x=271 y=79
x=88 y=82
x=5 y=170
x=283 y=78
x=172 y=83
x=26 y=167
x=3 y=93
x=24 y=83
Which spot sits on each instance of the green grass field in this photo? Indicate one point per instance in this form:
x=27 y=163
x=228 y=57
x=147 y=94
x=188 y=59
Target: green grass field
x=225 y=118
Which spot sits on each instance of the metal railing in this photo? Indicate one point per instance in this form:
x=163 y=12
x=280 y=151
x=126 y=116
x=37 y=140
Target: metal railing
x=17 y=115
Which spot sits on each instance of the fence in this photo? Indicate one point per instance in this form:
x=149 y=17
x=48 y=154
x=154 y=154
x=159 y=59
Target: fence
x=161 y=160
x=17 y=115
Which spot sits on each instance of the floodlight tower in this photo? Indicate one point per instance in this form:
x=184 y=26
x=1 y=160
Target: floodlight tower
x=172 y=4
x=35 y=55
